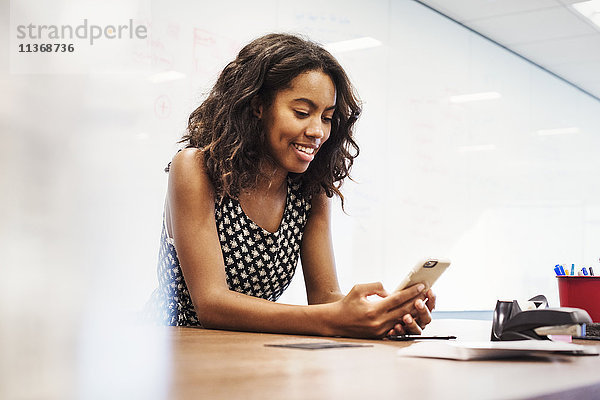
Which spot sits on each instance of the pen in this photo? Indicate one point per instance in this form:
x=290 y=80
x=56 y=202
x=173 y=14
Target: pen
x=572 y=269
x=408 y=338
x=584 y=270
x=591 y=272
x=557 y=270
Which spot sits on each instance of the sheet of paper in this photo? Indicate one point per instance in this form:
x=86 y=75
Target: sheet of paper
x=494 y=350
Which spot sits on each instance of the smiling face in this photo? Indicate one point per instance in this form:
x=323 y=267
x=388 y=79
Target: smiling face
x=298 y=121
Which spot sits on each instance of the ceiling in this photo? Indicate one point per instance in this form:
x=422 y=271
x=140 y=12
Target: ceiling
x=550 y=33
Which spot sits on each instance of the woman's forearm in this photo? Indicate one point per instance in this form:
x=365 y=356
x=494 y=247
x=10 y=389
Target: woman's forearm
x=325 y=298
x=353 y=316
x=236 y=311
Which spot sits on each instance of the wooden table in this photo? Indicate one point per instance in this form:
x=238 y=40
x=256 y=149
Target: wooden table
x=210 y=364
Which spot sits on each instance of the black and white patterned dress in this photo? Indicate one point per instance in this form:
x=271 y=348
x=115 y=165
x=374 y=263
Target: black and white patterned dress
x=258 y=263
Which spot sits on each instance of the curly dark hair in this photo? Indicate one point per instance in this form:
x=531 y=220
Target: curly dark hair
x=231 y=136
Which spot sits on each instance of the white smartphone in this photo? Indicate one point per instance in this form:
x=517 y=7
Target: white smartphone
x=426 y=271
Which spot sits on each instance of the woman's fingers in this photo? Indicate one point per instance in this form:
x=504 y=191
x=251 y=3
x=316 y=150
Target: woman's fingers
x=391 y=314
x=397 y=299
x=398 y=329
x=431 y=297
x=369 y=289
x=423 y=314
x=411 y=326
x=399 y=306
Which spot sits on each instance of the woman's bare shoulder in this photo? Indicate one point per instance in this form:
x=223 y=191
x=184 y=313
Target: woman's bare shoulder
x=188 y=159
x=187 y=173
x=320 y=203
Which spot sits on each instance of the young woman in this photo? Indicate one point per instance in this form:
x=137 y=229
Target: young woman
x=250 y=194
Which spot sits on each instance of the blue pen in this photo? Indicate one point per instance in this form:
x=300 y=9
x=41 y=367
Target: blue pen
x=557 y=270
x=572 y=269
x=584 y=270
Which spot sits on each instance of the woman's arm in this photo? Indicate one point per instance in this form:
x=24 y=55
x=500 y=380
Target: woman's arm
x=318 y=266
x=191 y=210
x=318 y=262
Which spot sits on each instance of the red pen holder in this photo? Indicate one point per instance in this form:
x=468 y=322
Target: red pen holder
x=580 y=292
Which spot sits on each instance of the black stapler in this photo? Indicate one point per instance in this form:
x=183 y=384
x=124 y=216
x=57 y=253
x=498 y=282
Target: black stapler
x=512 y=323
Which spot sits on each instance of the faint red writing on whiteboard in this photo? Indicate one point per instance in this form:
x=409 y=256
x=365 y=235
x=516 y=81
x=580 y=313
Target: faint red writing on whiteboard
x=162 y=107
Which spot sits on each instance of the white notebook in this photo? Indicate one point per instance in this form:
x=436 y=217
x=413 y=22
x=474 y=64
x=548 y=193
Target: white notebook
x=495 y=350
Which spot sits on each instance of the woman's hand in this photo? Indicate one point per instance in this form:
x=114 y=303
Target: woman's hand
x=356 y=316
x=414 y=323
